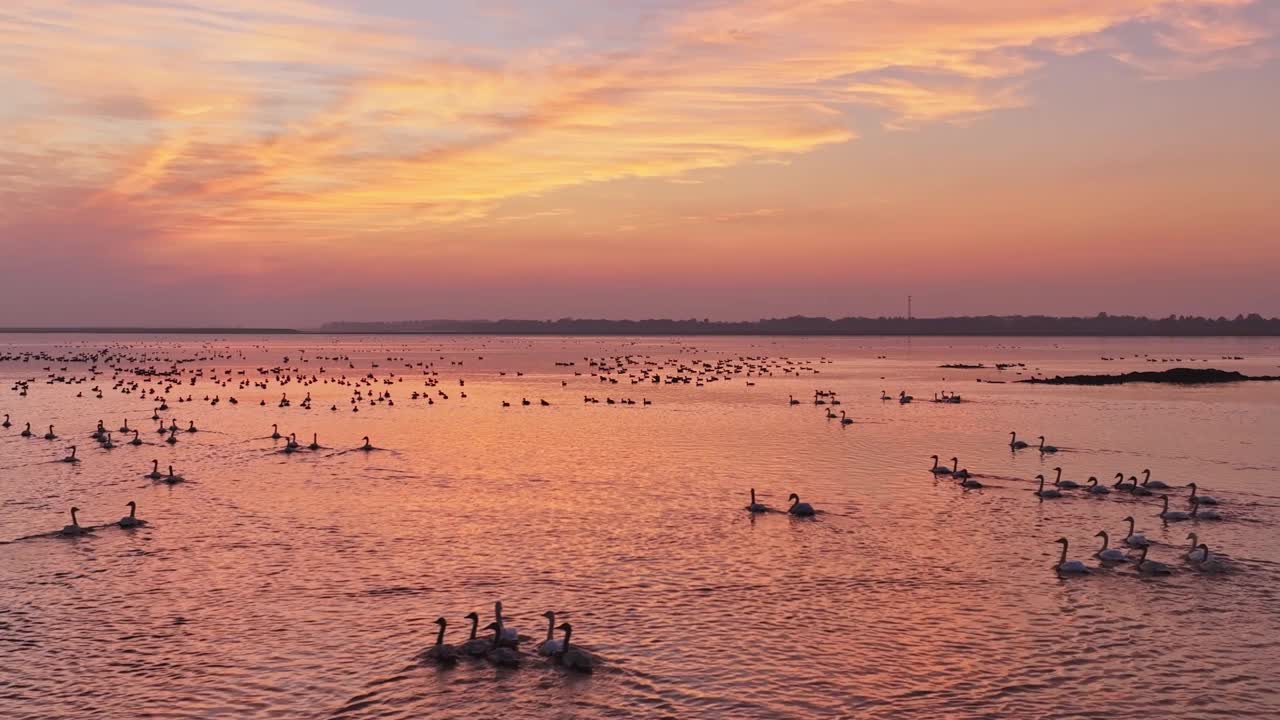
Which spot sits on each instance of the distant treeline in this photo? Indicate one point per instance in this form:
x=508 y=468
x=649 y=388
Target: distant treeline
x=1101 y=324
x=150 y=330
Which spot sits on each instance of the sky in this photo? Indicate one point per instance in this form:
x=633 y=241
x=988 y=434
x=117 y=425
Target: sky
x=297 y=161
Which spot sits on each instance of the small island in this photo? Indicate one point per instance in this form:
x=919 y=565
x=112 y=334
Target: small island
x=1175 y=376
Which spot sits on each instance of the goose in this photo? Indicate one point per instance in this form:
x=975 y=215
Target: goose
x=74 y=528
x=551 y=645
x=1168 y=514
x=440 y=652
x=6 y=424
x=1147 y=482
x=136 y=441
x=1058 y=482
x=1096 y=489
x=1137 y=540
x=572 y=657
x=938 y=469
x=49 y=435
x=1068 y=567
x=798 y=508
x=275 y=432
x=1202 y=499
x=498 y=654
x=173 y=479
x=1108 y=554
x=1046 y=448
x=1195 y=554
x=155 y=471
x=1211 y=563
x=1152 y=567
x=1198 y=514
x=966 y=481
x=475 y=646
x=845 y=420
x=1046 y=494
x=315 y=442
x=366 y=447
x=72 y=457
x=1015 y=443
x=132 y=520
x=26 y=432
x=957 y=471
x=756 y=507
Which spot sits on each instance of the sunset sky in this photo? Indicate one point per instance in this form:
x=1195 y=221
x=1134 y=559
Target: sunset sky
x=296 y=161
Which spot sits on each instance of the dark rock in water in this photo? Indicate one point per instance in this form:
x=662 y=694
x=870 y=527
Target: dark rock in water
x=1176 y=376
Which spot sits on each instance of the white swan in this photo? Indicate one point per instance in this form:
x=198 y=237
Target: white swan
x=756 y=507
x=173 y=479
x=1152 y=567
x=499 y=654
x=506 y=635
x=1058 y=482
x=1068 y=567
x=1168 y=514
x=275 y=432
x=800 y=509
x=845 y=420
x=1202 y=499
x=939 y=469
x=72 y=457
x=49 y=435
x=131 y=521
x=1196 y=553
x=1136 y=540
x=74 y=528
x=1198 y=514
x=1108 y=554
x=551 y=645
x=1096 y=489
x=155 y=471
x=475 y=646
x=1046 y=448
x=1046 y=494
x=572 y=657
x=136 y=441
x=366 y=447
x=957 y=471
x=1147 y=482
x=965 y=481
x=440 y=652
x=1211 y=563
x=315 y=442
x=1015 y=443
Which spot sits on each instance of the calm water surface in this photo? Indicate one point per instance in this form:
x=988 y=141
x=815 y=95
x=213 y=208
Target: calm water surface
x=303 y=585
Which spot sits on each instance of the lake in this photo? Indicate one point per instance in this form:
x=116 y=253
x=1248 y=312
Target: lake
x=304 y=585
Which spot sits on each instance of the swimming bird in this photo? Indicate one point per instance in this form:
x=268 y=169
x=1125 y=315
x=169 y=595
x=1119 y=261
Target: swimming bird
x=499 y=654
x=132 y=520
x=315 y=442
x=1198 y=514
x=1068 y=567
x=1133 y=488
x=1147 y=482
x=107 y=444
x=845 y=420
x=800 y=509
x=440 y=652
x=1168 y=514
x=1202 y=499
x=26 y=432
x=49 y=435
x=173 y=479
x=6 y=422
x=72 y=457
x=1015 y=443
x=1211 y=563
x=1064 y=484
x=965 y=480
x=938 y=469
x=551 y=645
x=1044 y=494
x=125 y=427
x=572 y=657
x=1195 y=554
x=173 y=437
x=275 y=432
x=475 y=646
x=1137 y=540
x=1046 y=448
x=756 y=507
x=136 y=439
x=366 y=447
x=1096 y=489
x=792 y=400
x=1152 y=567
x=506 y=635
x=956 y=470
x=74 y=528
x=292 y=443
x=155 y=471
x=1108 y=554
